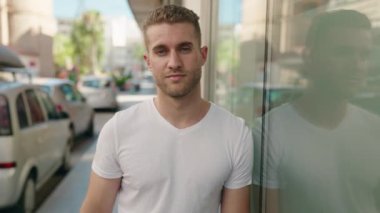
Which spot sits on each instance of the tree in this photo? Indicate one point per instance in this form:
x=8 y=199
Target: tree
x=87 y=37
x=63 y=51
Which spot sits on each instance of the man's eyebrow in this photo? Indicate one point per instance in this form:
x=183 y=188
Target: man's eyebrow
x=185 y=43
x=159 y=46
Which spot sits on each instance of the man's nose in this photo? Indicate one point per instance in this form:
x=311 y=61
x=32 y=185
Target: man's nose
x=174 y=61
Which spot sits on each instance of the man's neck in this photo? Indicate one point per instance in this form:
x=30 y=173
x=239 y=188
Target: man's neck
x=321 y=110
x=182 y=112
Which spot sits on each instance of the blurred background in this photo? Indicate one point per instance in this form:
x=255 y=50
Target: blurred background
x=92 y=52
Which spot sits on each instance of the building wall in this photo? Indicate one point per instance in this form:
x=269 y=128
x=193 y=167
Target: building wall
x=4 y=23
x=32 y=27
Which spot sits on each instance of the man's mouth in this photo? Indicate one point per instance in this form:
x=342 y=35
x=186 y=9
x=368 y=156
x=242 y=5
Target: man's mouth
x=176 y=77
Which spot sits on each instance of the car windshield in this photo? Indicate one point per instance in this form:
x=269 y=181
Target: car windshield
x=46 y=89
x=5 y=122
x=97 y=83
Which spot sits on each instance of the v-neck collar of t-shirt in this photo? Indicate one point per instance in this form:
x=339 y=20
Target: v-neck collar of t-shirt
x=319 y=129
x=171 y=127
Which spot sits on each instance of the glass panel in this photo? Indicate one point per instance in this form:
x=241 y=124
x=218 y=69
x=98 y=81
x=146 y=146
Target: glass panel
x=68 y=92
x=47 y=89
x=317 y=145
x=5 y=121
x=97 y=83
x=21 y=112
x=92 y=83
x=234 y=70
x=48 y=105
x=35 y=107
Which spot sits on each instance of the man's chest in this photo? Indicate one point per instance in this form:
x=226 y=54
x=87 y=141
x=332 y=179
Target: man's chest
x=175 y=162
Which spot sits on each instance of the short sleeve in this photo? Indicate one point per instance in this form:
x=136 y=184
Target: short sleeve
x=105 y=163
x=266 y=160
x=241 y=174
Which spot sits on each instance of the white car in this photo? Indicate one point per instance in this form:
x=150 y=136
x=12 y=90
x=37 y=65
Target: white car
x=35 y=140
x=100 y=92
x=66 y=96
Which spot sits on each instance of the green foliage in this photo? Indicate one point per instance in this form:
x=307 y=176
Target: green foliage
x=120 y=80
x=87 y=37
x=227 y=54
x=63 y=50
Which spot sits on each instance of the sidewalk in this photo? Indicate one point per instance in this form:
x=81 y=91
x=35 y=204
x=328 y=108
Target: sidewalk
x=68 y=196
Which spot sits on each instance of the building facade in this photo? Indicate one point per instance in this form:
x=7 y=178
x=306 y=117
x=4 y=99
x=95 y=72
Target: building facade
x=28 y=27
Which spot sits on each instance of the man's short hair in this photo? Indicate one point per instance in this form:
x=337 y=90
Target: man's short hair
x=172 y=14
x=323 y=23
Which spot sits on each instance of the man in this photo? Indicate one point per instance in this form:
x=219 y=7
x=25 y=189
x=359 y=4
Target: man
x=321 y=153
x=177 y=152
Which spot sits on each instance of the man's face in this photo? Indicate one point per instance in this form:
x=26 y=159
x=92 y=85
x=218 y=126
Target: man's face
x=175 y=58
x=340 y=62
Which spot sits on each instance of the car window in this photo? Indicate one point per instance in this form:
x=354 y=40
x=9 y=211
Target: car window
x=48 y=104
x=97 y=83
x=21 y=112
x=5 y=121
x=35 y=107
x=91 y=83
x=69 y=92
x=47 y=89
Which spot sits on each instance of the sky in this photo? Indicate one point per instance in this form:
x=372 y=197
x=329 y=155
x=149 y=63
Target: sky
x=73 y=8
x=230 y=11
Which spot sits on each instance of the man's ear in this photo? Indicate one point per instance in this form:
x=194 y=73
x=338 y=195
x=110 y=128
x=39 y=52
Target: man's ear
x=204 y=52
x=147 y=60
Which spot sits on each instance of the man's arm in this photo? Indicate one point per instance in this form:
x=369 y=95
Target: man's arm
x=101 y=194
x=235 y=200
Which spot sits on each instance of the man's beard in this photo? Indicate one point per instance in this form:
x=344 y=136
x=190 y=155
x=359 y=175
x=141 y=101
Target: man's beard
x=186 y=89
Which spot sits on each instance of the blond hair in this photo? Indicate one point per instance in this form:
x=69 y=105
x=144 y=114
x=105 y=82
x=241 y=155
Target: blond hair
x=172 y=14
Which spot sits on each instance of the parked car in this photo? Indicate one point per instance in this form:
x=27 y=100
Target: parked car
x=35 y=140
x=69 y=99
x=147 y=81
x=100 y=92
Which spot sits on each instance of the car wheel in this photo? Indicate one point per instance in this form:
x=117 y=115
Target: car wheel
x=66 y=159
x=27 y=201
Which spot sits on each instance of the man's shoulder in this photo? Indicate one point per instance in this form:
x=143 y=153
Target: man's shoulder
x=133 y=111
x=359 y=114
x=222 y=115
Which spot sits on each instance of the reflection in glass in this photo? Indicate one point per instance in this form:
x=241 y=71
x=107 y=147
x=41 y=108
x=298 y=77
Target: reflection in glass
x=320 y=153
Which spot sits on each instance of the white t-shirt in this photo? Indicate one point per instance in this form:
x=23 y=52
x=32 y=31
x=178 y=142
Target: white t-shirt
x=319 y=170
x=170 y=170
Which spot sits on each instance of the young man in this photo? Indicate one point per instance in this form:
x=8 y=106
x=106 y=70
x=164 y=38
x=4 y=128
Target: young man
x=177 y=152
x=322 y=152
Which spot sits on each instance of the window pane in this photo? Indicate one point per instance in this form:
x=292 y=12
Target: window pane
x=234 y=70
x=69 y=93
x=5 y=122
x=317 y=145
x=21 y=112
x=48 y=105
x=35 y=107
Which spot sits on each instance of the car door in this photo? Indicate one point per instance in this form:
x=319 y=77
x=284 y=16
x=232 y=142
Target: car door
x=77 y=108
x=57 y=133
x=35 y=135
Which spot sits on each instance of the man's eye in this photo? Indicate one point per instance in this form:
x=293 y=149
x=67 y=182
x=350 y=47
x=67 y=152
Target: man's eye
x=160 y=52
x=185 y=49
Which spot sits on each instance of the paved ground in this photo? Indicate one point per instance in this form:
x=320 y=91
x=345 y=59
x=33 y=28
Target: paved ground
x=68 y=196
